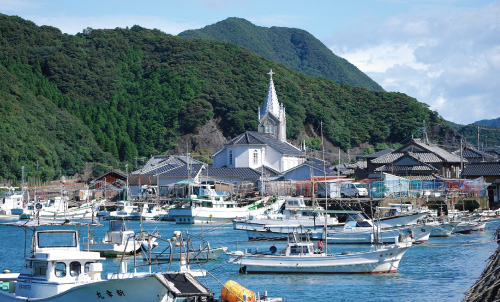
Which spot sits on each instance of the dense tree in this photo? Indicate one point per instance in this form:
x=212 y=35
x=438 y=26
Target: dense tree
x=113 y=95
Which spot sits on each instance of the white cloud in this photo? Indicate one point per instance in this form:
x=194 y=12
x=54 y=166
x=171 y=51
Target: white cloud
x=449 y=59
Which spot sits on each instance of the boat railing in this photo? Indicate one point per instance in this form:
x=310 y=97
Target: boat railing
x=182 y=244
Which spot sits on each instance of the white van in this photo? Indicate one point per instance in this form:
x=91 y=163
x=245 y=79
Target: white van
x=353 y=189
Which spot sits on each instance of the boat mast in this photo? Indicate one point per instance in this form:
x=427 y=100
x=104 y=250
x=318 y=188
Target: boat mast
x=326 y=192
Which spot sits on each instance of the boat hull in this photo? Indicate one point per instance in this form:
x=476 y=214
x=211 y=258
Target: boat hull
x=374 y=262
x=132 y=289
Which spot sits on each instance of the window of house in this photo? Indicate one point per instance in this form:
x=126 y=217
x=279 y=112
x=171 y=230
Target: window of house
x=255 y=157
x=230 y=157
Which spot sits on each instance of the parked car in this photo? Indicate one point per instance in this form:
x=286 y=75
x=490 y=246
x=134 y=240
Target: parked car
x=353 y=189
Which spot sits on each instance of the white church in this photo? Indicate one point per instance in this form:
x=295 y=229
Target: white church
x=266 y=147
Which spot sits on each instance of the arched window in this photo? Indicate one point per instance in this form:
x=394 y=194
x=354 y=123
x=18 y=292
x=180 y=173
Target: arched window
x=269 y=127
x=230 y=157
x=255 y=157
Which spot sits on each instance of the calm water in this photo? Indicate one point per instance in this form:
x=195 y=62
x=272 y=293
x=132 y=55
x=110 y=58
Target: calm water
x=442 y=270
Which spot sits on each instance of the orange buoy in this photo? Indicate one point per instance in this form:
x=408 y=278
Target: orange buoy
x=232 y=291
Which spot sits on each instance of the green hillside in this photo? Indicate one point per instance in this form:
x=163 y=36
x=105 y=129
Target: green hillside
x=290 y=47
x=490 y=123
x=134 y=92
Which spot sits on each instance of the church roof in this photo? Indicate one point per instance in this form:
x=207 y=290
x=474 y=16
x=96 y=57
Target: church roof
x=257 y=138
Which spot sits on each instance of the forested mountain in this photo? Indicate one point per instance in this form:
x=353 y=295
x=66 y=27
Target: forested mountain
x=491 y=123
x=134 y=92
x=294 y=48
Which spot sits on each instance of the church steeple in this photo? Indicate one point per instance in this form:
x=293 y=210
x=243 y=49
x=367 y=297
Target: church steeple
x=271 y=115
x=271 y=104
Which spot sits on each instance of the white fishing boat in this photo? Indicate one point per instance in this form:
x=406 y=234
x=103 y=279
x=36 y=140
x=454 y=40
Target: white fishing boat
x=119 y=240
x=442 y=226
x=56 y=207
x=301 y=257
x=11 y=204
x=56 y=270
x=394 y=218
x=359 y=229
x=215 y=208
x=294 y=213
x=126 y=210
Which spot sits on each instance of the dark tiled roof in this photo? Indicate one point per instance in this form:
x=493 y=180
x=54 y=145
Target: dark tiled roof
x=389 y=168
x=182 y=171
x=387 y=158
x=257 y=138
x=163 y=169
x=171 y=161
x=243 y=173
x=482 y=169
x=379 y=153
x=443 y=154
x=314 y=166
x=425 y=157
x=421 y=177
x=117 y=173
x=469 y=152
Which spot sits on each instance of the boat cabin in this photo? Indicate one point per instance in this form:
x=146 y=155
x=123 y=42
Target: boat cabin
x=56 y=264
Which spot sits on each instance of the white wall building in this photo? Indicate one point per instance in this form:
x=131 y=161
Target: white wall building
x=267 y=147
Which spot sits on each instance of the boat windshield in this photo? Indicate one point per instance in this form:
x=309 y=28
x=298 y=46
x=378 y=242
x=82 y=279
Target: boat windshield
x=117 y=226
x=357 y=220
x=56 y=239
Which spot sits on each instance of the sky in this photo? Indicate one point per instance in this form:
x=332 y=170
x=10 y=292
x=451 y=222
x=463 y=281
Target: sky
x=444 y=53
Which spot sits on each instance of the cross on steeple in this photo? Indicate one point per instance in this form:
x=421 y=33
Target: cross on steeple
x=270 y=73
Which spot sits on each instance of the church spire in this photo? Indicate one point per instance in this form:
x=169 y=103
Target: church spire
x=271 y=104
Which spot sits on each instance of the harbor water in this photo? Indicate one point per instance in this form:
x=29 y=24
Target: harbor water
x=441 y=270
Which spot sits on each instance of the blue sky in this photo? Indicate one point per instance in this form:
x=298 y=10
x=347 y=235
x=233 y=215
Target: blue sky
x=445 y=53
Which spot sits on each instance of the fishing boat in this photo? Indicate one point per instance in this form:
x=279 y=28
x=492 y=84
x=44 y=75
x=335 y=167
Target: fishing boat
x=294 y=212
x=215 y=208
x=299 y=256
x=56 y=270
x=360 y=230
x=119 y=240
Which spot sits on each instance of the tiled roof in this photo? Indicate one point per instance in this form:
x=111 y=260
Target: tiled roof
x=362 y=164
x=182 y=171
x=244 y=173
x=421 y=177
x=445 y=155
x=389 y=168
x=425 y=157
x=171 y=161
x=469 y=152
x=434 y=154
x=387 y=158
x=379 y=153
x=315 y=166
x=482 y=169
x=257 y=138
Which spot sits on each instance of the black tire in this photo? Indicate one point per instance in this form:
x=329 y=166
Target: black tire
x=356 y=195
x=342 y=195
